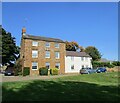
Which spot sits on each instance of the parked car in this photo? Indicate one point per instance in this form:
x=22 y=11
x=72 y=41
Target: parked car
x=87 y=71
x=101 y=69
x=9 y=71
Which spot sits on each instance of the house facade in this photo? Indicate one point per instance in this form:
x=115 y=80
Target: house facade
x=37 y=52
x=74 y=61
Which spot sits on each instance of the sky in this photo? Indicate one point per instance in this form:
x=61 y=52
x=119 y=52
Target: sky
x=87 y=23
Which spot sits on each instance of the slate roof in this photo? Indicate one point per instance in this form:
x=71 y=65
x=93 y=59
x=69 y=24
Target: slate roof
x=43 y=38
x=77 y=54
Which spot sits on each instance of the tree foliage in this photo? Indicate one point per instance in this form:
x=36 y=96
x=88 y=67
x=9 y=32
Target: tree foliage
x=116 y=63
x=10 y=51
x=72 y=46
x=93 y=52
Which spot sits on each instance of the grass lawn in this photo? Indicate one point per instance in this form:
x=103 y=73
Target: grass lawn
x=89 y=87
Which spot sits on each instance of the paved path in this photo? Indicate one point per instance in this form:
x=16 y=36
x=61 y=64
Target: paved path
x=21 y=78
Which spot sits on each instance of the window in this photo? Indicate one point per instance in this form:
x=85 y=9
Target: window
x=57 y=55
x=72 y=58
x=34 y=65
x=34 y=53
x=34 y=43
x=72 y=66
x=86 y=59
x=57 y=65
x=56 y=45
x=86 y=66
x=47 y=44
x=47 y=65
x=47 y=54
x=82 y=66
x=82 y=58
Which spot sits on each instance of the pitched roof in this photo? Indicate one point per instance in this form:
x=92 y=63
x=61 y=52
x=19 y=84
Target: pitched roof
x=77 y=54
x=42 y=38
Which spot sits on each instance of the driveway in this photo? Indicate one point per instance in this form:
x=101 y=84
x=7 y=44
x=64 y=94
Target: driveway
x=23 y=78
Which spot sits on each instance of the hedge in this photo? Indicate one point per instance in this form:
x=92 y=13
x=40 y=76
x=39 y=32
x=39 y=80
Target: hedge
x=102 y=64
x=54 y=71
x=26 y=71
x=43 y=71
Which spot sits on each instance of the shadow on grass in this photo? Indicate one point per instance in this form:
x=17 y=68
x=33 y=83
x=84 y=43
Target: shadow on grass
x=60 y=91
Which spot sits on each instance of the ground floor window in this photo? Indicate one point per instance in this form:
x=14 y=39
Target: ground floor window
x=82 y=66
x=72 y=66
x=57 y=65
x=47 y=65
x=34 y=65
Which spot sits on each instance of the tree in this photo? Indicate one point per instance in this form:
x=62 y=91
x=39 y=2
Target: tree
x=82 y=49
x=10 y=51
x=116 y=63
x=72 y=46
x=93 y=52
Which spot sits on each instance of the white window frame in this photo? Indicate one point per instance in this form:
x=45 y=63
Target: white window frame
x=33 y=52
x=47 y=55
x=35 y=65
x=57 y=64
x=57 y=45
x=86 y=58
x=72 y=58
x=47 y=44
x=34 y=43
x=82 y=58
x=58 y=55
x=47 y=64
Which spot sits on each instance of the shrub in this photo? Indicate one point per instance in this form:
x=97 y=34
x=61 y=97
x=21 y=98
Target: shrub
x=26 y=71
x=18 y=67
x=54 y=71
x=43 y=71
x=102 y=64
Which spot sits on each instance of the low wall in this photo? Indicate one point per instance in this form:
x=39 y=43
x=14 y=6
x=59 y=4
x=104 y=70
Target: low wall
x=115 y=69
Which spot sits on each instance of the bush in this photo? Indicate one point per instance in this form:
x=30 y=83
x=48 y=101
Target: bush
x=43 y=71
x=18 y=67
x=102 y=64
x=26 y=71
x=16 y=72
x=54 y=71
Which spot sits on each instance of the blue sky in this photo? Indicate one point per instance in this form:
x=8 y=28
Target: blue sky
x=88 y=23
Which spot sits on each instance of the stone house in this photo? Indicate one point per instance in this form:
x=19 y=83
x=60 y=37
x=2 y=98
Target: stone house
x=37 y=52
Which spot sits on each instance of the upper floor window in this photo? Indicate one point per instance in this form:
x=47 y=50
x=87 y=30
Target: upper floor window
x=47 y=54
x=57 y=55
x=57 y=65
x=34 y=65
x=47 y=44
x=56 y=45
x=72 y=58
x=82 y=58
x=47 y=65
x=34 y=53
x=34 y=43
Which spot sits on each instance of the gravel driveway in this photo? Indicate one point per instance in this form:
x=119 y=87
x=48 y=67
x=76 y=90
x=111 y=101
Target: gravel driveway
x=21 y=78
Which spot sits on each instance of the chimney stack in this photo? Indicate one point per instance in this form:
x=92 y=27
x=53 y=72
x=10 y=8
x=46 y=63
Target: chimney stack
x=23 y=31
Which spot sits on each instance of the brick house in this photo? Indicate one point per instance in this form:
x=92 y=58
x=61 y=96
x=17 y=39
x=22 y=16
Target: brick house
x=37 y=52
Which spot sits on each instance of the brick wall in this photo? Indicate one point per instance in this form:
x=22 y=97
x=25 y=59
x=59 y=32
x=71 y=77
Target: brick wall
x=26 y=55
